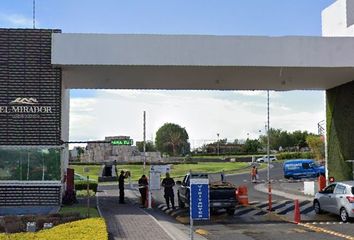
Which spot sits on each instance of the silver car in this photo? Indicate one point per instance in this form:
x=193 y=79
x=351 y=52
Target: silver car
x=337 y=198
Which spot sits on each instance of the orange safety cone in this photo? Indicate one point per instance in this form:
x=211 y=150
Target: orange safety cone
x=297 y=216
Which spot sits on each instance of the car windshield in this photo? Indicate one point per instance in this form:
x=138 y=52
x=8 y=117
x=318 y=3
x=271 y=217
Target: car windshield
x=314 y=165
x=352 y=190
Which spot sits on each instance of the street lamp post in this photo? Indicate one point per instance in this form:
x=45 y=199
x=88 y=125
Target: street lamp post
x=218 y=144
x=268 y=153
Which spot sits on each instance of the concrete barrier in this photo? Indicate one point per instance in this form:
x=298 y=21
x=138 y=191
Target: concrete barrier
x=310 y=188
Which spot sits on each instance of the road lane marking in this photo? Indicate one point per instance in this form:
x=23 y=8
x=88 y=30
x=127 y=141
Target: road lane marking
x=202 y=232
x=323 y=230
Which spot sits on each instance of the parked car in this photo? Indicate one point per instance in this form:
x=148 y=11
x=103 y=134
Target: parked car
x=222 y=194
x=337 y=198
x=264 y=159
x=302 y=168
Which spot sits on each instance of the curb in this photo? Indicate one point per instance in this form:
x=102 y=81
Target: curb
x=98 y=206
x=264 y=189
x=308 y=225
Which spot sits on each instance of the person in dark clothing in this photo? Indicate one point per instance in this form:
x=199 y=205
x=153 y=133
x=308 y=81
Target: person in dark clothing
x=121 y=187
x=143 y=183
x=168 y=184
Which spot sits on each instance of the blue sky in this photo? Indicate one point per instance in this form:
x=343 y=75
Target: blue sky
x=290 y=110
x=219 y=17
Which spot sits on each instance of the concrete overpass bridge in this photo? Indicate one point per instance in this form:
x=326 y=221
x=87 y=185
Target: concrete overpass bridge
x=42 y=65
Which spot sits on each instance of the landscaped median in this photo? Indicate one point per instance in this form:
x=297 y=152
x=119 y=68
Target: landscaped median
x=177 y=171
x=87 y=229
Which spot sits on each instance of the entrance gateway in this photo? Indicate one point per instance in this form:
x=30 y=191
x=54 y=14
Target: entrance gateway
x=39 y=66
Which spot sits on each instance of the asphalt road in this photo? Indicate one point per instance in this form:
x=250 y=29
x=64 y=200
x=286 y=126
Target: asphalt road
x=276 y=173
x=254 y=228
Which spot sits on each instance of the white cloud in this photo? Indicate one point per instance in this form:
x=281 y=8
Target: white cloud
x=17 y=20
x=257 y=93
x=202 y=113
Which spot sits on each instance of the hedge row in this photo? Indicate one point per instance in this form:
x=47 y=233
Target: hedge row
x=90 y=229
x=295 y=155
x=82 y=185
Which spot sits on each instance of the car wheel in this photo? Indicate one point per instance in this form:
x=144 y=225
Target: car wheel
x=317 y=207
x=344 y=215
x=180 y=203
x=230 y=211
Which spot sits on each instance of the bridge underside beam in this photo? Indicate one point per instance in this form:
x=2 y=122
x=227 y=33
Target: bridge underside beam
x=205 y=77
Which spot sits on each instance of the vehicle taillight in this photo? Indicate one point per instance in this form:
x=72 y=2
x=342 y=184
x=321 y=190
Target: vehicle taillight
x=350 y=199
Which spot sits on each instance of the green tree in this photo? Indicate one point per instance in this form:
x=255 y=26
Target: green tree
x=80 y=151
x=172 y=139
x=316 y=145
x=149 y=147
x=299 y=138
x=286 y=140
x=251 y=146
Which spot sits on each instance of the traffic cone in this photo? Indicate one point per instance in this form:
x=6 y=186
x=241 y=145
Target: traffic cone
x=297 y=216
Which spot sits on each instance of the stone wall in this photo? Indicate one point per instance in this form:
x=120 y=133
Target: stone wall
x=105 y=152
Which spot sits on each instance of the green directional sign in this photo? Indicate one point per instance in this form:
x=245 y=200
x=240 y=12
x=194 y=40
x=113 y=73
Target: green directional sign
x=128 y=142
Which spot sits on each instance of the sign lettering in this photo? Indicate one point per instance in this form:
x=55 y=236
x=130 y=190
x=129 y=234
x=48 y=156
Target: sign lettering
x=199 y=189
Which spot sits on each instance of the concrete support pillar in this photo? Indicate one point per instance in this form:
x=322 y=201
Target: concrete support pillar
x=340 y=131
x=65 y=112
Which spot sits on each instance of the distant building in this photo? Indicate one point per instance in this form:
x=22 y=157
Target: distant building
x=117 y=148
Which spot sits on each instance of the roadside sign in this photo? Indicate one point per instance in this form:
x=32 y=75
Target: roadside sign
x=199 y=199
x=154 y=180
x=163 y=169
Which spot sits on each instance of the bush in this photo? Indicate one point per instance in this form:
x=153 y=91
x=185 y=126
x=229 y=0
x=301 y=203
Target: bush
x=82 y=185
x=85 y=163
x=92 y=228
x=295 y=155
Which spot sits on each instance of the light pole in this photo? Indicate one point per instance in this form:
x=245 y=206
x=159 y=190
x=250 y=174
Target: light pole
x=218 y=144
x=144 y=142
x=268 y=170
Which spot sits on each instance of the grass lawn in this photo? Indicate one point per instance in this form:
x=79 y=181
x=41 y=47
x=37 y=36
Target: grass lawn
x=227 y=156
x=80 y=209
x=177 y=171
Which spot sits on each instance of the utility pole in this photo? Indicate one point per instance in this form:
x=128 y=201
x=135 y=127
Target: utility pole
x=144 y=143
x=268 y=153
x=218 y=144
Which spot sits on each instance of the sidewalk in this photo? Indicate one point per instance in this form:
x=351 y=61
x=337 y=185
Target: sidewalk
x=282 y=191
x=127 y=221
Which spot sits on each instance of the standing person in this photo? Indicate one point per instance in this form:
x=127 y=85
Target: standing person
x=254 y=174
x=121 y=186
x=168 y=184
x=257 y=176
x=143 y=183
